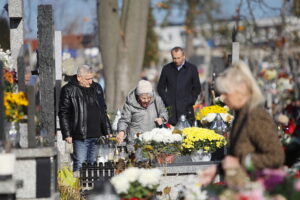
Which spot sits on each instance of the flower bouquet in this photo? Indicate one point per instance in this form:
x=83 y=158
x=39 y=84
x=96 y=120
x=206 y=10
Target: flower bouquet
x=136 y=183
x=160 y=142
x=201 y=138
x=15 y=106
x=10 y=79
x=14 y=102
x=195 y=139
x=269 y=184
x=209 y=113
x=9 y=73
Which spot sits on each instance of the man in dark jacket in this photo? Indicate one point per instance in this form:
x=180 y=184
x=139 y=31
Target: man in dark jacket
x=179 y=86
x=82 y=116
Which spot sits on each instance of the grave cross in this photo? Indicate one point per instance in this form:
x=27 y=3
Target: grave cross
x=15 y=12
x=46 y=71
x=2 y=134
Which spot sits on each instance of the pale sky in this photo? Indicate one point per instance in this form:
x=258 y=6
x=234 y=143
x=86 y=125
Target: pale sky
x=82 y=13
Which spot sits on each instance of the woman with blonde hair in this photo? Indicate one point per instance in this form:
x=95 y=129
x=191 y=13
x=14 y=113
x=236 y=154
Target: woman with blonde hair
x=253 y=141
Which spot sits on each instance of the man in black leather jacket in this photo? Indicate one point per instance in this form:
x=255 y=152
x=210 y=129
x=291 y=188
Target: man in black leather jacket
x=82 y=115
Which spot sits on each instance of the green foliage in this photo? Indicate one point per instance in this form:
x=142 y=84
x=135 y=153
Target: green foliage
x=138 y=191
x=150 y=151
x=68 y=185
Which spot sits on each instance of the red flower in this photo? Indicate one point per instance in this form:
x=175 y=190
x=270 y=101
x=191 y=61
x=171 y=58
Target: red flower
x=168 y=125
x=243 y=197
x=297 y=174
x=290 y=127
x=220 y=183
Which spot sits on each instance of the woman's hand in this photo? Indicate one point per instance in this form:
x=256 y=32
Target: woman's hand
x=208 y=175
x=120 y=137
x=230 y=162
x=159 y=121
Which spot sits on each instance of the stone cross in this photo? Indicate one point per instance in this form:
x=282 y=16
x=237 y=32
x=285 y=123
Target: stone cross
x=58 y=57
x=15 y=12
x=21 y=68
x=58 y=68
x=46 y=71
x=2 y=134
x=235 y=52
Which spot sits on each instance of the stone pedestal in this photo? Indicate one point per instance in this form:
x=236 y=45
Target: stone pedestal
x=8 y=189
x=36 y=168
x=177 y=173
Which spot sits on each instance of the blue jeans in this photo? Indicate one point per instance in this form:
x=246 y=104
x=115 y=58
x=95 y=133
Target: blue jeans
x=84 y=151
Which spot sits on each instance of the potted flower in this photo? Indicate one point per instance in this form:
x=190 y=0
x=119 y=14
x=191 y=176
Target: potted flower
x=209 y=113
x=160 y=143
x=201 y=140
x=137 y=183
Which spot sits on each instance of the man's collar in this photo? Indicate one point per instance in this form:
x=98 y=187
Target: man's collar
x=179 y=67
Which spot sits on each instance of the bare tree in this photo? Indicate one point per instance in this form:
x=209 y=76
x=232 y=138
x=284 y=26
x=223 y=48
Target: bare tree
x=195 y=12
x=122 y=43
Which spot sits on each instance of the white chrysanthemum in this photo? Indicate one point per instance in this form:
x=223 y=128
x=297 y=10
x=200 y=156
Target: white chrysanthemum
x=167 y=139
x=158 y=138
x=210 y=117
x=149 y=177
x=192 y=190
x=6 y=59
x=224 y=116
x=177 y=137
x=131 y=174
x=120 y=183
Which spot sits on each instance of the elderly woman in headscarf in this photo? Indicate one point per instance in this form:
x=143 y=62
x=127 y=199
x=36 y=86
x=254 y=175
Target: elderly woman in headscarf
x=143 y=111
x=253 y=140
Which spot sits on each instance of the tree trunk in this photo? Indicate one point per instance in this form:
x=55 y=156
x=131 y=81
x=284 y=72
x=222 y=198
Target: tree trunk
x=122 y=44
x=109 y=29
x=190 y=27
x=134 y=25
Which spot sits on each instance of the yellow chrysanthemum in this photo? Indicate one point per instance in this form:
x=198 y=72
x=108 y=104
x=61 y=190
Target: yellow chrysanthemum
x=210 y=109
x=201 y=138
x=15 y=104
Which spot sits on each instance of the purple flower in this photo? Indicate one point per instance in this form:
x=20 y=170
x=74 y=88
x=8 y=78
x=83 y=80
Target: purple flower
x=271 y=177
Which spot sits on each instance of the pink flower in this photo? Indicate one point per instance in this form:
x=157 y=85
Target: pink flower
x=297 y=184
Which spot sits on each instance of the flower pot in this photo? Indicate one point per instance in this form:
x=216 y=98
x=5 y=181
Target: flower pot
x=165 y=158
x=12 y=133
x=7 y=165
x=200 y=156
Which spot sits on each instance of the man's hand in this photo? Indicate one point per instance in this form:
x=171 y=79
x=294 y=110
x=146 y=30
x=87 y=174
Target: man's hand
x=69 y=140
x=159 y=121
x=120 y=137
x=109 y=135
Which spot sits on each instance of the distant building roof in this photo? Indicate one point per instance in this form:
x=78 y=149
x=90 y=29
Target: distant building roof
x=68 y=41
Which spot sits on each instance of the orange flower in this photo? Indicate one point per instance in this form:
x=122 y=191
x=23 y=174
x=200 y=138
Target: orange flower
x=9 y=77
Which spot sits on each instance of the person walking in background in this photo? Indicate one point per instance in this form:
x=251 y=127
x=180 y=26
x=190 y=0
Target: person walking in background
x=142 y=111
x=179 y=86
x=253 y=141
x=82 y=115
